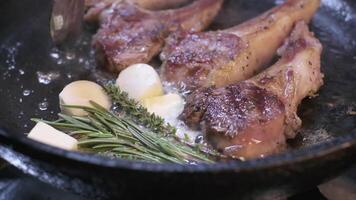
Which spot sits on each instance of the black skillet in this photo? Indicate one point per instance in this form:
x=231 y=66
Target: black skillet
x=325 y=146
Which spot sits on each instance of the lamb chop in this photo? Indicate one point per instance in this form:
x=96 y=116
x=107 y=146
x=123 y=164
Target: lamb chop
x=254 y=117
x=222 y=57
x=96 y=7
x=130 y=34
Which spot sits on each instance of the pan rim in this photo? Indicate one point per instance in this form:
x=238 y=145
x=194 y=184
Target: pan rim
x=286 y=158
x=21 y=144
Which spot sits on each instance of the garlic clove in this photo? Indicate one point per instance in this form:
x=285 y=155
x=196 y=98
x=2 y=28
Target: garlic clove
x=80 y=93
x=140 y=81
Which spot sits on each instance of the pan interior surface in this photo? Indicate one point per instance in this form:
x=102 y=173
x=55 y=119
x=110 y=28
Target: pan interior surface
x=33 y=71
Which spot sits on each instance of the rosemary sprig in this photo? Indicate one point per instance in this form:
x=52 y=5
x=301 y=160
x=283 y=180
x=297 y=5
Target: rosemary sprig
x=138 y=112
x=106 y=133
x=141 y=115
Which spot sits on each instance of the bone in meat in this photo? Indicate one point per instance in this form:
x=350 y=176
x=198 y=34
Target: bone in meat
x=255 y=117
x=222 y=57
x=130 y=34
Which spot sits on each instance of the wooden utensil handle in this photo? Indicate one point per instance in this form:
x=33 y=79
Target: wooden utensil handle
x=66 y=20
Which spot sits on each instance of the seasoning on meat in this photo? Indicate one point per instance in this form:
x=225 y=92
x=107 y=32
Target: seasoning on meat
x=130 y=34
x=255 y=117
x=222 y=57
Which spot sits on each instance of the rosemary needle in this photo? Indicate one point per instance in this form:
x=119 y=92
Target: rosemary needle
x=139 y=113
x=106 y=133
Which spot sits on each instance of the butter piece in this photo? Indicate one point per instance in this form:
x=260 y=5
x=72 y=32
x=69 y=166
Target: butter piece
x=46 y=134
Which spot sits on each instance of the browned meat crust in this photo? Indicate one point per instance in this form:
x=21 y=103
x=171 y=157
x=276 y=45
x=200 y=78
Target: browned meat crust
x=196 y=55
x=229 y=110
x=254 y=117
x=129 y=34
x=238 y=118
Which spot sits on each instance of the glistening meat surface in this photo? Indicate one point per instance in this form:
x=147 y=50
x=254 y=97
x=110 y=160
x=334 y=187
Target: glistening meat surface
x=254 y=118
x=129 y=34
x=193 y=60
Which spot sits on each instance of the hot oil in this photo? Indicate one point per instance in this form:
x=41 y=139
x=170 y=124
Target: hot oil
x=33 y=71
x=38 y=79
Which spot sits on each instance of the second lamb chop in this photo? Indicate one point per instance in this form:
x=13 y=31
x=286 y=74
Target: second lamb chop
x=219 y=58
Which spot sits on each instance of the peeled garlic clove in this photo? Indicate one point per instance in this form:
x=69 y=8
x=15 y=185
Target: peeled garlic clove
x=169 y=106
x=140 y=81
x=80 y=93
x=48 y=135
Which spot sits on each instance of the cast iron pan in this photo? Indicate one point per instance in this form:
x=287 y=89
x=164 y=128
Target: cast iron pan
x=325 y=146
